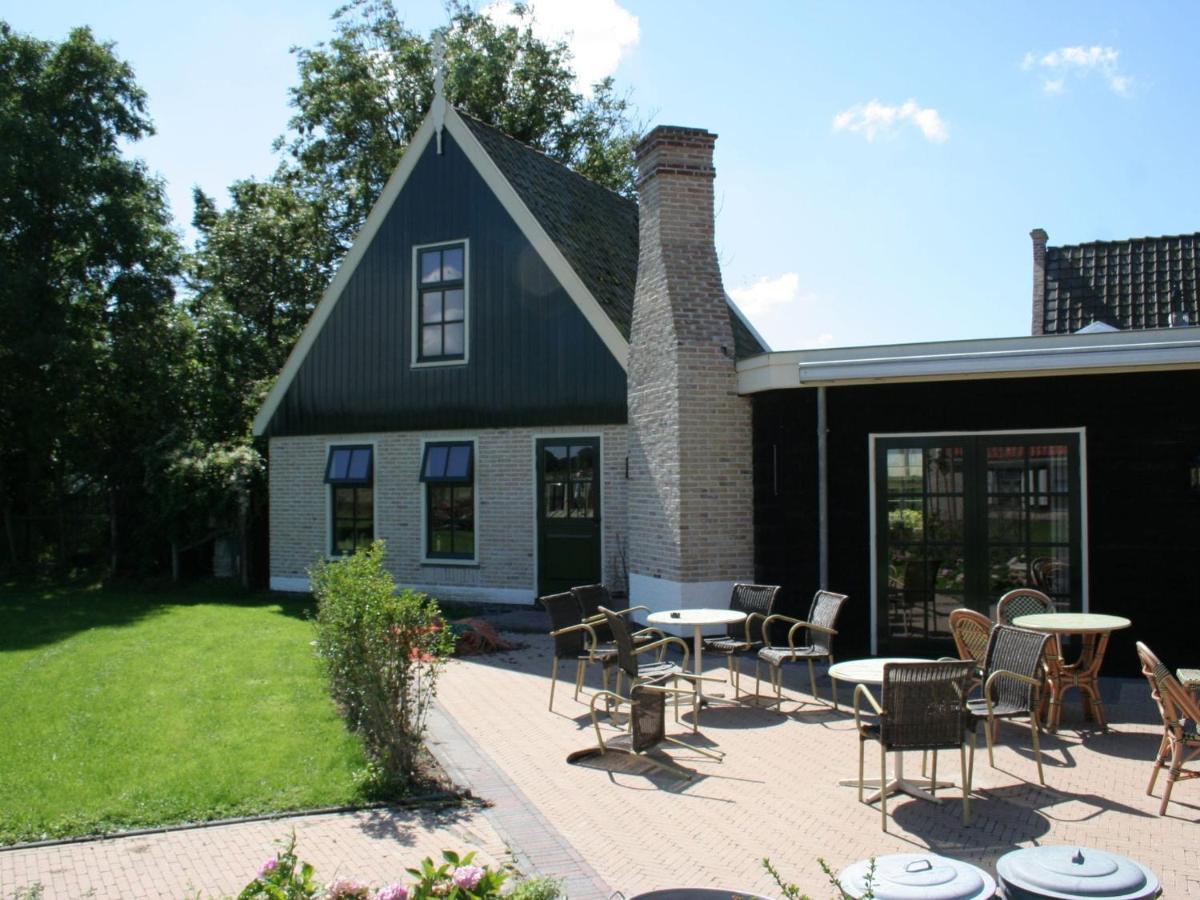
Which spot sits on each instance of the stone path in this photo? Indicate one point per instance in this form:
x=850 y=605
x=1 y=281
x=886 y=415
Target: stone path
x=373 y=846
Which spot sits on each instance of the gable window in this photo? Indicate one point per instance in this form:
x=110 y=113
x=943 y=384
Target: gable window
x=448 y=472
x=441 y=303
x=349 y=472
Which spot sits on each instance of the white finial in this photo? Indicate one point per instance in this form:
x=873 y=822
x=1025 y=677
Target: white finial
x=439 y=86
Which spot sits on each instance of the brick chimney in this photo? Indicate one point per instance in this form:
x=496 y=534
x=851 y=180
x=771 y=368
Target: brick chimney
x=1039 y=238
x=690 y=494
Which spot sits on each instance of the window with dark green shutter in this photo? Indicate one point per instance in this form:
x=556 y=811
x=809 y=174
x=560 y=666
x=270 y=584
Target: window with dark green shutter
x=349 y=472
x=448 y=471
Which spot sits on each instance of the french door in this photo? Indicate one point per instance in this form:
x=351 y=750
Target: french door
x=568 y=513
x=961 y=519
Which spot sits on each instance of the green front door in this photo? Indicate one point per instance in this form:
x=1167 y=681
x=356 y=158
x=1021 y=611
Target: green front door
x=568 y=513
x=961 y=519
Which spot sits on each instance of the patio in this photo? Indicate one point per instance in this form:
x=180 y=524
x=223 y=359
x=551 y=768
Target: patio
x=776 y=794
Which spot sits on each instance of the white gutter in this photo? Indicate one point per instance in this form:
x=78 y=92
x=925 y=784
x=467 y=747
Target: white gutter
x=1073 y=354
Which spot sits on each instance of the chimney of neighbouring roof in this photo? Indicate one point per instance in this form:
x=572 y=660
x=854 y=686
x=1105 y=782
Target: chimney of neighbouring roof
x=1039 y=237
x=690 y=496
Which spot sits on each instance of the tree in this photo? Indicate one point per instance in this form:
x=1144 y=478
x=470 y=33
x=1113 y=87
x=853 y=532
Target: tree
x=92 y=344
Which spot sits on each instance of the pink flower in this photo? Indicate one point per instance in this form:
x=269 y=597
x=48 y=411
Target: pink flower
x=347 y=889
x=466 y=877
x=268 y=867
x=392 y=892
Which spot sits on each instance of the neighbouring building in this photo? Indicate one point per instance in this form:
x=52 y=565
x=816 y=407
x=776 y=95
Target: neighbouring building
x=523 y=381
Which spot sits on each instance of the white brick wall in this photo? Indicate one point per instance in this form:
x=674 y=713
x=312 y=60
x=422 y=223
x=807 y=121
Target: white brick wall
x=504 y=570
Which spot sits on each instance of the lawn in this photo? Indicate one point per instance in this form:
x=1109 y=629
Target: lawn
x=122 y=709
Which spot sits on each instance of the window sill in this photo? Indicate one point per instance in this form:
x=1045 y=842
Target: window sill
x=433 y=364
x=461 y=563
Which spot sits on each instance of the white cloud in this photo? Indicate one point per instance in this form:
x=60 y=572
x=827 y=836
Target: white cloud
x=1078 y=62
x=767 y=294
x=599 y=32
x=873 y=119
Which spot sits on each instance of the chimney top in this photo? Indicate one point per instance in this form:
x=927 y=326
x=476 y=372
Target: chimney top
x=1039 y=235
x=675 y=150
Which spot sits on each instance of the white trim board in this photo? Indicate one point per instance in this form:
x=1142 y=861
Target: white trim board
x=513 y=205
x=470 y=593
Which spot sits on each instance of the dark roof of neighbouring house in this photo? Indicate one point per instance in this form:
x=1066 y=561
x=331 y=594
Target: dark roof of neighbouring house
x=1130 y=284
x=596 y=229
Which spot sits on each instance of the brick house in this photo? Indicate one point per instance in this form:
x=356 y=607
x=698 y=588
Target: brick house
x=523 y=381
x=479 y=387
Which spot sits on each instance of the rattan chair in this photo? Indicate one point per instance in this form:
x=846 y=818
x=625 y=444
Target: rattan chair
x=1013 y=676
x=820 y=631
x=594 y=597
x=573 y=640
x=757 y=601
x=647 y=703
x=923 y=708
x=971 y=631
x=1180 y=717
x=1025 y=601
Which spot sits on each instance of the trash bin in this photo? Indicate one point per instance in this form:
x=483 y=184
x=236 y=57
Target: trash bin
x=918 y=876
x=1073 y=873
x=697 y=894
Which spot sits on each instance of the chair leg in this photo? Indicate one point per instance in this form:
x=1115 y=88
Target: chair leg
x=966 y=789
x=757 y=677
x=1160 y=760
x=862 y=745
x=883 y=785
x=579 y=669
x=1172 y=775
x=933 y=776
x=974 y=741
x=812 y=679
x=553 y=680
x=988 y=729
x=1034 y=729
x=736 y=663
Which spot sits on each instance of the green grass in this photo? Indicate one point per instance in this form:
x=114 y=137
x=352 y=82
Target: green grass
x=123 y=709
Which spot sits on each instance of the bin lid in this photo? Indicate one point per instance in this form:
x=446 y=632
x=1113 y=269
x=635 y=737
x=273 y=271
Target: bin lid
x=918 y=876
x=1071 y=872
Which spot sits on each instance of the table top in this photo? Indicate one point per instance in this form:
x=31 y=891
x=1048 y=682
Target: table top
x=696 y=617
x=868 y=671
x=1072 y=623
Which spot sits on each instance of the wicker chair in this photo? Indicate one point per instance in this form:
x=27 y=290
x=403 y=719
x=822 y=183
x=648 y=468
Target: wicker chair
x=924 y=708
x=821 y=618
x=757 y=601
x=971 y=631
x=1024 y=601
x=647 y=703
x=1180 y=741
x=573 y=641
x=594 y=597
x=1013 y=675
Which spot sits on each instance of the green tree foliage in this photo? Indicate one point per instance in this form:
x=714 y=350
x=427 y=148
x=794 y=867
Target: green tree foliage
x=93 y=348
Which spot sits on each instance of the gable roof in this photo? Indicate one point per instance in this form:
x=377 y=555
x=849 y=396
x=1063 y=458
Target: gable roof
x=595 y=228
x=1131 y=284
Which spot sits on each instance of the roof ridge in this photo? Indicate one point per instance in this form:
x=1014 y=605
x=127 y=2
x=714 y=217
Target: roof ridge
x=532 y=149
x=1128 y=240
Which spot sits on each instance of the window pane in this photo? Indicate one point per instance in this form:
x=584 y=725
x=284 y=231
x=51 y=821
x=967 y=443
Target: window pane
x=458 y=461
x=464 y=525
x=435 y=462
x=431 y=307
x=431 y=266
x=582 y=506
x=906 y=521
x=945 y=519
x=360 y=464
x=1048 y=468
x=554 y=462
x=343 y=540
x=1008 y=568
x=343 y=503
x=1049 y=519
x=903 y=471
x=944 y=470
x=583 y=463
x=441 y=541
x=454 y=340
x=1050 y=572
x=431 y=340
x=339 y=462
x=556 y=500
x=1006 y=519
x=452 y=264
x=1005 y=470
x=454 y=306
x=364 y=506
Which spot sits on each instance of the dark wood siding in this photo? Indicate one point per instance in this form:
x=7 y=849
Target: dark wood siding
x=1143 y=524
x=534 y=359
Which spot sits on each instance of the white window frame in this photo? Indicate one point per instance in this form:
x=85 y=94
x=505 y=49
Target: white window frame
x=349 y=442
x=415 y=343
x=426 y=559
x=1085 y=604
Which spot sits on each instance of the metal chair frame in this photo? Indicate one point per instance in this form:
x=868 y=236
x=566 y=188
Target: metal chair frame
x=823 y=644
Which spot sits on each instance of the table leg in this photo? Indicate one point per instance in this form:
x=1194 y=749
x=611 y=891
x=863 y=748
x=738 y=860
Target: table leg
x=899 y=784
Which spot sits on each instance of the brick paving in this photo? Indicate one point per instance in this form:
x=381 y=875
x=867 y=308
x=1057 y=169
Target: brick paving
x=374 y=846
x=776 y=793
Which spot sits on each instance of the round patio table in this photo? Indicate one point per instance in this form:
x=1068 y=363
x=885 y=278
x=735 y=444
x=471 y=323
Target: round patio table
x=1084 y=673
x=697 y=618
x=870 y=672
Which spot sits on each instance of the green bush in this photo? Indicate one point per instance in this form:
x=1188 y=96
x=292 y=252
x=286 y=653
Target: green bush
x=382 y=652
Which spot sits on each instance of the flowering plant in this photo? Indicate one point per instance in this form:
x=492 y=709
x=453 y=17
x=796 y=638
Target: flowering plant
x=456 y=879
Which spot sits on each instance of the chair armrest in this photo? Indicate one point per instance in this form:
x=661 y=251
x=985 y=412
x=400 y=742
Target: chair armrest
x=664 y=643
x=750 y=617
x=599 y=617
x=862 y=691
x=1035 y=683
x=774 y=617
x=589 y=646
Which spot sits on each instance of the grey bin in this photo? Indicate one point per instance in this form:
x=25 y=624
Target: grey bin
x=697 y=894
x=1073 y=873
x=918 y=876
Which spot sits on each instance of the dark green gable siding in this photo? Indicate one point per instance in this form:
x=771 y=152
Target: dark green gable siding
x=533 y=358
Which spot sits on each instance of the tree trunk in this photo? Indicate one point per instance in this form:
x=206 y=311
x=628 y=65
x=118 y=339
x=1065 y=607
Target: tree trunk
x=174 y=561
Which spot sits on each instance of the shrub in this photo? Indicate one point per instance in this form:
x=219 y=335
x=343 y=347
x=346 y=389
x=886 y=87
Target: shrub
x=382 y=652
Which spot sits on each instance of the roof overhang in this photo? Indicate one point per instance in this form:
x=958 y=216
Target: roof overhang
x=1021 y=357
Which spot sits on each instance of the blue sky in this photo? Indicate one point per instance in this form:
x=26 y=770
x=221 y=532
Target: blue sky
x=879 y=165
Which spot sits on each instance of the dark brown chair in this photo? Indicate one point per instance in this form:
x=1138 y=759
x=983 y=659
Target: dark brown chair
x=1180 y=741
x=816 y=643
x=757 y=601
x=573 y=641
x=923 y=708
x=1013 y=676
x=594 y=597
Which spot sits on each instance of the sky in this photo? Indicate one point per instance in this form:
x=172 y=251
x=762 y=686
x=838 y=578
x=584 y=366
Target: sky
x=879 y=165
